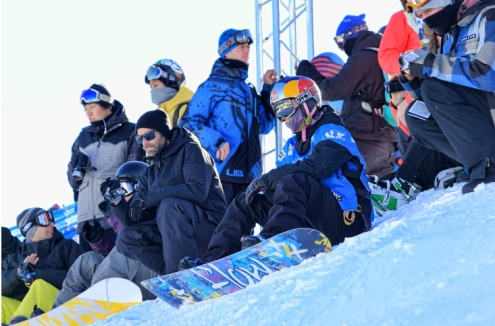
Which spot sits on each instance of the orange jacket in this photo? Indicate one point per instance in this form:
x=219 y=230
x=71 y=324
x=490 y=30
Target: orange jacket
x=399 y=36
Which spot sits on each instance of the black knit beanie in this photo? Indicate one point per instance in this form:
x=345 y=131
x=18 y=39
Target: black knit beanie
x=157 y=120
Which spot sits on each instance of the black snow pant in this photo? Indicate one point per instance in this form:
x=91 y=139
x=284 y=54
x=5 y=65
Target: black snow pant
x=422 y=164
x=460 y=125
x=231 y=190
x=180 y=229
x=299 y=201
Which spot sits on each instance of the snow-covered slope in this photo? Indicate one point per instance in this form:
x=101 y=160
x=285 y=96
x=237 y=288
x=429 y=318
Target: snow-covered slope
x=432 y=262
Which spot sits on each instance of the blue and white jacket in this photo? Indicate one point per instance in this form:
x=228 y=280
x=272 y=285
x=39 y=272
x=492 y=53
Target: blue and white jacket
x=467 y=55
x=331 y=156
x=225 y=108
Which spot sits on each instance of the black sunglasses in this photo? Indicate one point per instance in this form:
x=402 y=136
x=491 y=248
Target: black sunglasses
x=150 y=135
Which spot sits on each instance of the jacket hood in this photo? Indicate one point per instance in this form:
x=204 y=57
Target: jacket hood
x=117 y=118
x=180 y=137
x=471 y=6
x=10 y=245
x=366 y=39
x=221 y=70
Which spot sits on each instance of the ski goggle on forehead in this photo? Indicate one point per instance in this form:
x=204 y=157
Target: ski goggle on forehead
x=92 y=96
x=240 y=37
x=155 y=72
x=415 y=4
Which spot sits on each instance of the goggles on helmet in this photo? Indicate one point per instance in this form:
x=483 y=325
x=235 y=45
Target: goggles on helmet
x=92 y=96
x=415 y=4
x=155 y=72
x=342 y=38
x=284 y=109
x=240 y=37
x=128 y=186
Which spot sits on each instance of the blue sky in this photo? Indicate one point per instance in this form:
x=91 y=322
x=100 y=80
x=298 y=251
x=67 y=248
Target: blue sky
x=51 y=50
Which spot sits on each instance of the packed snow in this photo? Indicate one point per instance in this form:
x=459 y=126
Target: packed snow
x=431 y=262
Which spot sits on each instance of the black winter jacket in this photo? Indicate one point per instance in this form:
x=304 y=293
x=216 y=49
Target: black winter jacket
x=183 y=169
x=360 y=80
x=56 y=254
x=12 y=258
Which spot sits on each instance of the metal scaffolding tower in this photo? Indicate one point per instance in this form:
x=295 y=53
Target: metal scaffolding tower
x=280 y=44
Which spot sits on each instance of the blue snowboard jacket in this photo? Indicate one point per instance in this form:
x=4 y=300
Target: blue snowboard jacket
x=226 y=108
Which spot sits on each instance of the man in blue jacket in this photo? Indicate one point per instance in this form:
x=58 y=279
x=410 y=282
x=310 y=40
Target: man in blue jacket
x=319 y=182
x=228 y=116
x=457 y=85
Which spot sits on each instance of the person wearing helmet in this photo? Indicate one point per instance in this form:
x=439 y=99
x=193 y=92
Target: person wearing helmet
x=319 y=181
x=456 y=86
x=228 y=116
x=96 y=154
x=34 y=277
x=92 y=267
x=360 y=84
x=168 y=91
x=179 y=200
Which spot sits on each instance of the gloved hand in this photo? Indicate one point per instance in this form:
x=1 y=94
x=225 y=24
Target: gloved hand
x=108 y=185
x=92 y=231
x=136 y=209
x=256 y=186
x=25 y=273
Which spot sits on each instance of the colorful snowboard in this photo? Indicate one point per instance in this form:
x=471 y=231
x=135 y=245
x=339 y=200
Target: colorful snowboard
x=103 y=299
x=237 y=271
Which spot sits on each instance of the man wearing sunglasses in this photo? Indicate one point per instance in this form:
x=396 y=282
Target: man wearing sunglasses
x=179 y=200
x=360 y=84
x=319 y=181
x=168 y=91
x=228 y=116
x=456 y=85
x=97 y=153
x=46 y=258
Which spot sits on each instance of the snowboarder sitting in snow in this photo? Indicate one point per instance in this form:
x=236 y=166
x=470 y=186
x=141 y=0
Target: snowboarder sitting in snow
x=319 y=182
x=35 y=273
x=179 y=200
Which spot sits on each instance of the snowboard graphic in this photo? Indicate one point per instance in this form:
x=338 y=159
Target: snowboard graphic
x=103 y=299
x=239 y=270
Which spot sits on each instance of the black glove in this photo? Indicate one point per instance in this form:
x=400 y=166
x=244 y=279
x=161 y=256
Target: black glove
x=25 y=273
x=112 y=191
x=256 y=186
x=108 y=185
x=305 y=68
x=136 y=209
x=92 y=231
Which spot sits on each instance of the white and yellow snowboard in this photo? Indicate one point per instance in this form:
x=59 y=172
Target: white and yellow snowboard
x=103 y=299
